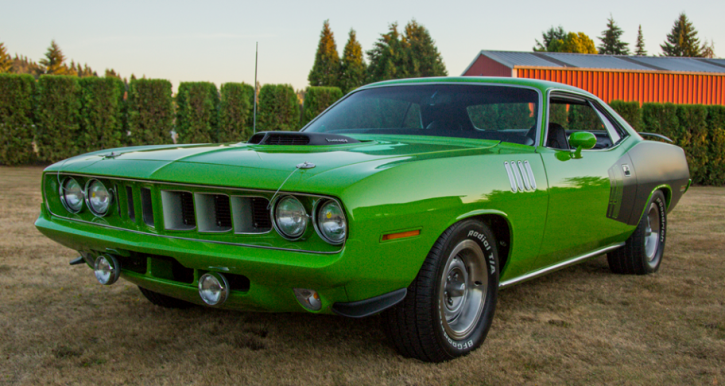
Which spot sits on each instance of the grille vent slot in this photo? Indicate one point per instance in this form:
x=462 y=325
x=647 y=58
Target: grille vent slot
x=213 y=212
x=222 y=211
x=260 y=213
x=129 y=204
x=178 y=210
x=251 y=215
x=147 y=209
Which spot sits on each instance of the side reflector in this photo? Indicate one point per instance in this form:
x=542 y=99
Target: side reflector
x=401 y=235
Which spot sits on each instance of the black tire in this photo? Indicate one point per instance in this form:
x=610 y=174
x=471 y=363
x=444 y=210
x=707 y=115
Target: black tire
x=642 y=252
x=163 y=300
x=424 y=325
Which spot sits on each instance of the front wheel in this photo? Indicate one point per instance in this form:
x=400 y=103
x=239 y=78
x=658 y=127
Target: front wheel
x=450 y=305
x=642 y=253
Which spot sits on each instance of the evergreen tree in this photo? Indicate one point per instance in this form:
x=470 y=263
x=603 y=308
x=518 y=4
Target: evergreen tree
x=6 y=62
x=640 y=51
x=352 y=65
x=708 y=51
x=112 y=74
x=611 y=40
x=53 y=62
x=23 y=65
x=578 y=43
x=389 y=57
x=325 y=71
x=682 y=40
x=553 y=38
x=424 y=56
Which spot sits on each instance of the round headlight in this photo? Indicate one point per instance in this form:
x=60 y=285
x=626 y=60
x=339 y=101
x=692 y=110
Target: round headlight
x=71 y=195
x=213 y=288
x=97 y=197
x=330 y=222
x=290 y=217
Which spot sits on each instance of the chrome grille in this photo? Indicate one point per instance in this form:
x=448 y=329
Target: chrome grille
x=260 y=214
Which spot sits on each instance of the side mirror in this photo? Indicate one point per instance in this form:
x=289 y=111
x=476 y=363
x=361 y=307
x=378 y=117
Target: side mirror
x=581 y=140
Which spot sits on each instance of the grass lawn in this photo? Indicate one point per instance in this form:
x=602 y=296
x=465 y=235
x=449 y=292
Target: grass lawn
x=582 y=325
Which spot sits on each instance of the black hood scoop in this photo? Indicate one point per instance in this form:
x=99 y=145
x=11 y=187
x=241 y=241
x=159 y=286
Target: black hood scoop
x=296 y=138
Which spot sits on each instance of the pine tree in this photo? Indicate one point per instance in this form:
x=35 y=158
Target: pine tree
x=389 y=57
x=352 y=65
x=53 y=61
x=326 y=69
x=611 y=43
x=424 y=56
x=708 y=51
x=553 y=38
x=682 y=40
x=23 y=65
x=640 y=51
x=112 y=74
x=6 y=62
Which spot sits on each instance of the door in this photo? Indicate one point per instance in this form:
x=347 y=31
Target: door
x=581 y=215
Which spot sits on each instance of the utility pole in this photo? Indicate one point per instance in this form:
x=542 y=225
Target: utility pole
x=256 y=60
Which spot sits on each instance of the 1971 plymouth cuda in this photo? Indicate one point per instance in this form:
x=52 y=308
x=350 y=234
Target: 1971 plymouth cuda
x=417 y=198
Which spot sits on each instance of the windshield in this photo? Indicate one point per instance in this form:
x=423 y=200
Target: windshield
x=468 y=111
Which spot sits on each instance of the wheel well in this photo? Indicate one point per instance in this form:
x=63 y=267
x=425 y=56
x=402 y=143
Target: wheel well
x=502 y=232
x=668 y=195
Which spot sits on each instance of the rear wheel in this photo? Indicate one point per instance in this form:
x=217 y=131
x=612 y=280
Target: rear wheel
x=642 y=253
x=450 y=304
x=163 y=300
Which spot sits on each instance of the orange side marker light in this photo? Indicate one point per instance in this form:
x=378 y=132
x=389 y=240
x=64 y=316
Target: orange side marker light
x=401 y=235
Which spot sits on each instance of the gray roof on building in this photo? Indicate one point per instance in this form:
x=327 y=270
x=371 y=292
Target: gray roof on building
x=512 y=59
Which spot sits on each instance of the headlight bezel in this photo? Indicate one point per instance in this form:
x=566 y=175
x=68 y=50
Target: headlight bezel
x=61 y=193
x=319 y=205
x=88 y=197
x=275 y=225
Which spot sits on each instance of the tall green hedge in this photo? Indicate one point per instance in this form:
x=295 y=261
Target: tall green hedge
x=661 y=118
x=716 y=146
x=693 y=138
x=57 y=126
x=101 y=122
x=235 y=110
x=630 y=111
x=197 y=104
x=278 y=108
x=16 y=119
x=317 y=99
x=150 y=112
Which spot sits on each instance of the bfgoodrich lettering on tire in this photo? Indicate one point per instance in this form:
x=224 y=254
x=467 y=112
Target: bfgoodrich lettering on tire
x=450 y=304
x=642 y=253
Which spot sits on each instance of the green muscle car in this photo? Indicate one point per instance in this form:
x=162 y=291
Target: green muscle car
x=418 y=199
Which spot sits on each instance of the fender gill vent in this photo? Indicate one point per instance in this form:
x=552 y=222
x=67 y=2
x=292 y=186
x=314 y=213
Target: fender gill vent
x=521 y=176
x=260 y=214
x=222 y=211
x=290 y=140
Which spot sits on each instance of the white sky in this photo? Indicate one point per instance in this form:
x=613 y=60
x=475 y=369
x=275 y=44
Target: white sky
x=214 y=40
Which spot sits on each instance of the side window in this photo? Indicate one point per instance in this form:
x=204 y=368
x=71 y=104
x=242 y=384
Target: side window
x=569 y=115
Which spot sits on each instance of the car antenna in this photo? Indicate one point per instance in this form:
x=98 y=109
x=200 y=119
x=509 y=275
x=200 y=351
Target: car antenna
x=304 y=165
x=256 y=60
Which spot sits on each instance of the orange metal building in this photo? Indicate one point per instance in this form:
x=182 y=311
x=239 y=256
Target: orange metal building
x=612 y=77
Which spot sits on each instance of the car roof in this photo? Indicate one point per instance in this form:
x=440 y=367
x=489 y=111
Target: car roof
x=542 y=85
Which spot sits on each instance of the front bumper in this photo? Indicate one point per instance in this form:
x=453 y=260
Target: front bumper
x=272 y=274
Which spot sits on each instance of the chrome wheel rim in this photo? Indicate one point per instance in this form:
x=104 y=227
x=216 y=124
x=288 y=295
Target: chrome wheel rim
x=652 y=232
x=463 y=289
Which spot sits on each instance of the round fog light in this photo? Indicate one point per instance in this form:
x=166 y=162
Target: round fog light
x=213 y=288
x=107 y=269
x=308 y=298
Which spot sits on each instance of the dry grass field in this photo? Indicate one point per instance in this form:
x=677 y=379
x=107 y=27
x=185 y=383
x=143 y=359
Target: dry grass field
x=582 y=325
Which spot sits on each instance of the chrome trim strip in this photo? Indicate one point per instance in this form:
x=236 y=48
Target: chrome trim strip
x=524 y=177
x=512 y=181
x=559 y=266
x=517 y=174
x=530 y=172
x=198 y=240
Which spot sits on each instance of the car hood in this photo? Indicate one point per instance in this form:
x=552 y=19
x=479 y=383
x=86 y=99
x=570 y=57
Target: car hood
x=267 y=166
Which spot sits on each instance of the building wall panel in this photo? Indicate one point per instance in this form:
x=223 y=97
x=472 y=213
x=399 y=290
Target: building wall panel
x=643 y=87
x=485 y=66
